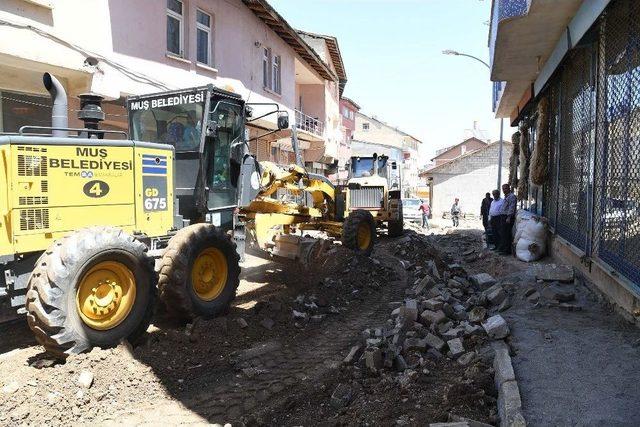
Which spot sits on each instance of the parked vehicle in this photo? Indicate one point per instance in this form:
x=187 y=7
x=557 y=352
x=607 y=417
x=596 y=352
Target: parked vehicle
x=410 y=211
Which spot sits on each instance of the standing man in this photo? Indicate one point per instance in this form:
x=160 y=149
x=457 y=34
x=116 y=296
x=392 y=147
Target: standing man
x=484 y=211
x=509 y=214
x=495 y=221
x=455 y=213
x=426 y=211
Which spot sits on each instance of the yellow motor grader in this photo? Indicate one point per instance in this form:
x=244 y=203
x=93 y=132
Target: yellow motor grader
x=95 y=224
x=374 y=185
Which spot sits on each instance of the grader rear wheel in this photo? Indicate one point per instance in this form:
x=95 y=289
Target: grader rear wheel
x=94 y=287
x=199 y=272
x=359 y=232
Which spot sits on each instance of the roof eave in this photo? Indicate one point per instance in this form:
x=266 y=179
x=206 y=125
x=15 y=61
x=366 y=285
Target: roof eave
x=464 y=156
x=267 y=14
x=391 y=127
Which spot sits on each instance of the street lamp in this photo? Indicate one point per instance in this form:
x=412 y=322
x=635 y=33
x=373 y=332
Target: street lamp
x=456 y=53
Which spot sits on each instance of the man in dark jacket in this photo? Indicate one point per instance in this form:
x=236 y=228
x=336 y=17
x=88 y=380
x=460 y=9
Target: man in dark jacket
x=484 y=211
x=509 y=207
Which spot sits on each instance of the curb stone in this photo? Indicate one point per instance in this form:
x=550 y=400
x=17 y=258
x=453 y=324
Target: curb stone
x=509 y=401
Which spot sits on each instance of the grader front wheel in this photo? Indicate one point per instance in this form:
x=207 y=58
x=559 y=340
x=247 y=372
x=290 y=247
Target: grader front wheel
x=359 y=232
x=199 y=272
x=94 y=287
x=105 y=295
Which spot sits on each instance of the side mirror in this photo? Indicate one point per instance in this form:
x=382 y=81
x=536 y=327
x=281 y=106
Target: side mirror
x=212 y=129
x=283 y=121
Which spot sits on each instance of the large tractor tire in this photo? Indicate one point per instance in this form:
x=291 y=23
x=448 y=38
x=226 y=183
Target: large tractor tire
x=395 y=228
x=199 y=272
x=94 y=287
x=359 y=232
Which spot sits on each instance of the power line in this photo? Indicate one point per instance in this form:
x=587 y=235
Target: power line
x=134 y=75
x=49 y=106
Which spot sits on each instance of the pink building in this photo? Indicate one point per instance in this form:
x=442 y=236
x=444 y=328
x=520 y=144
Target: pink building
x=348 y=110
x=150 y=46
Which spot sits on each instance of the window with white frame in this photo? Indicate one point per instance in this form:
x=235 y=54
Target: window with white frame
x=175 y=27
x=266 y=67
x=365 y=127
x=271 y=70
x=203 y=37
x=276 y=78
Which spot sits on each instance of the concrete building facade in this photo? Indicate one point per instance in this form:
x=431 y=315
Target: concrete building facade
x=144 y=47
x=467 y=177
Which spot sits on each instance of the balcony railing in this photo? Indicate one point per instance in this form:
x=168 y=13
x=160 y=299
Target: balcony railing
x=309 y=124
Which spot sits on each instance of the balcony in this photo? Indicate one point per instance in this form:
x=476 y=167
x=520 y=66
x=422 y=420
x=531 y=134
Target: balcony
x=522 y=37
x=309 y=124
x=500 y=11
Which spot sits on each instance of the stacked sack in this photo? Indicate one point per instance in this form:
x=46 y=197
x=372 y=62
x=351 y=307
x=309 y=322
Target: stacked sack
x=530 y=236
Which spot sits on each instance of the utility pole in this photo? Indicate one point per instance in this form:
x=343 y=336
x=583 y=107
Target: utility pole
x=456 y=53
x=500 y=156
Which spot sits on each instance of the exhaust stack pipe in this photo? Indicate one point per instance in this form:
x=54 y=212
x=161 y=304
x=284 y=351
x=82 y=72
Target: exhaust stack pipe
x=375 y=164
x=59 y=117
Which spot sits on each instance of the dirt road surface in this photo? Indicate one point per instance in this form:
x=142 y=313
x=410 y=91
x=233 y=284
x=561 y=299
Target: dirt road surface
x=275 y=359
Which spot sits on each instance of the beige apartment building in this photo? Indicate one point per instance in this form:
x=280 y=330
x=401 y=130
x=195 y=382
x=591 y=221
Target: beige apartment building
x=372 y=135
x=117 y=48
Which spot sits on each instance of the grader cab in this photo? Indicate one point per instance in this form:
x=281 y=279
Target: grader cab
x=94 y=225
x=375 y=186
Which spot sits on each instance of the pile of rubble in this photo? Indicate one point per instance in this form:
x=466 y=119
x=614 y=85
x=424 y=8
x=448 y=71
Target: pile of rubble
x=340 y=289
x=448 y=317
x=324 y=297
x=418 y=250
x=554 y=287
x=445 y=314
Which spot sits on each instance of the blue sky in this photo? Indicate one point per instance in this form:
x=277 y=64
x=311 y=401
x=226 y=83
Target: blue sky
x=392 y=51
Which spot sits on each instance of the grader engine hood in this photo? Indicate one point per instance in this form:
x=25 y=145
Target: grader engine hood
x=59 y=187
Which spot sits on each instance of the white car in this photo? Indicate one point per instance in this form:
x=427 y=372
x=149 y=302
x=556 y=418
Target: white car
x=410 y=212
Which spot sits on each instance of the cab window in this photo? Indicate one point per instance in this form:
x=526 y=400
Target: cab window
x=178 y=125
x=229 y=130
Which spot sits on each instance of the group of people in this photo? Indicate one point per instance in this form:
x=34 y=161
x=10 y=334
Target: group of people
x=425 y=209
x=498 y=216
